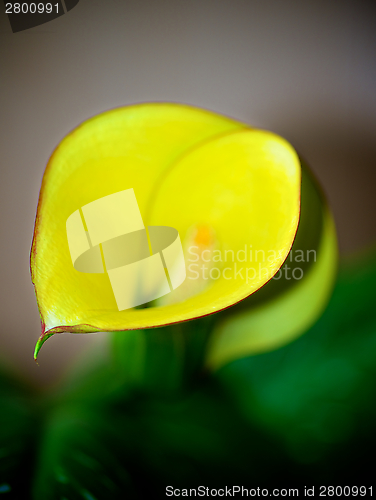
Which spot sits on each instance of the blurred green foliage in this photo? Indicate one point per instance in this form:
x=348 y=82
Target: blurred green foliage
x=18 y=429
x=301 y=415
x=317 y=395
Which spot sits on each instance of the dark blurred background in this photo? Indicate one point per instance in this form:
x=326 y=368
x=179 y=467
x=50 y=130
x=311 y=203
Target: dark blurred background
x=303 y=69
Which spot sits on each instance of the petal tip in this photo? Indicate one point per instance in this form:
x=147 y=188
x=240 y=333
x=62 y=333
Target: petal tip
x=42 y=339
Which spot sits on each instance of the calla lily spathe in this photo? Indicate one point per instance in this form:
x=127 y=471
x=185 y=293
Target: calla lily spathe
x=191 y=169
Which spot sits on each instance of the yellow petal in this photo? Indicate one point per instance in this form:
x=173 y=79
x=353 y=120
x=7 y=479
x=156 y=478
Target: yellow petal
x=187 y=167
x=245 y=186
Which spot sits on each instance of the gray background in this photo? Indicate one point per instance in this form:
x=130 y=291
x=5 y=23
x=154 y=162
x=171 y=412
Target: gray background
x=304 y=69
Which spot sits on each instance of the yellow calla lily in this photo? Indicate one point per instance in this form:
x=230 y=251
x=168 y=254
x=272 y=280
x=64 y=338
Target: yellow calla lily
x=226 y=188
